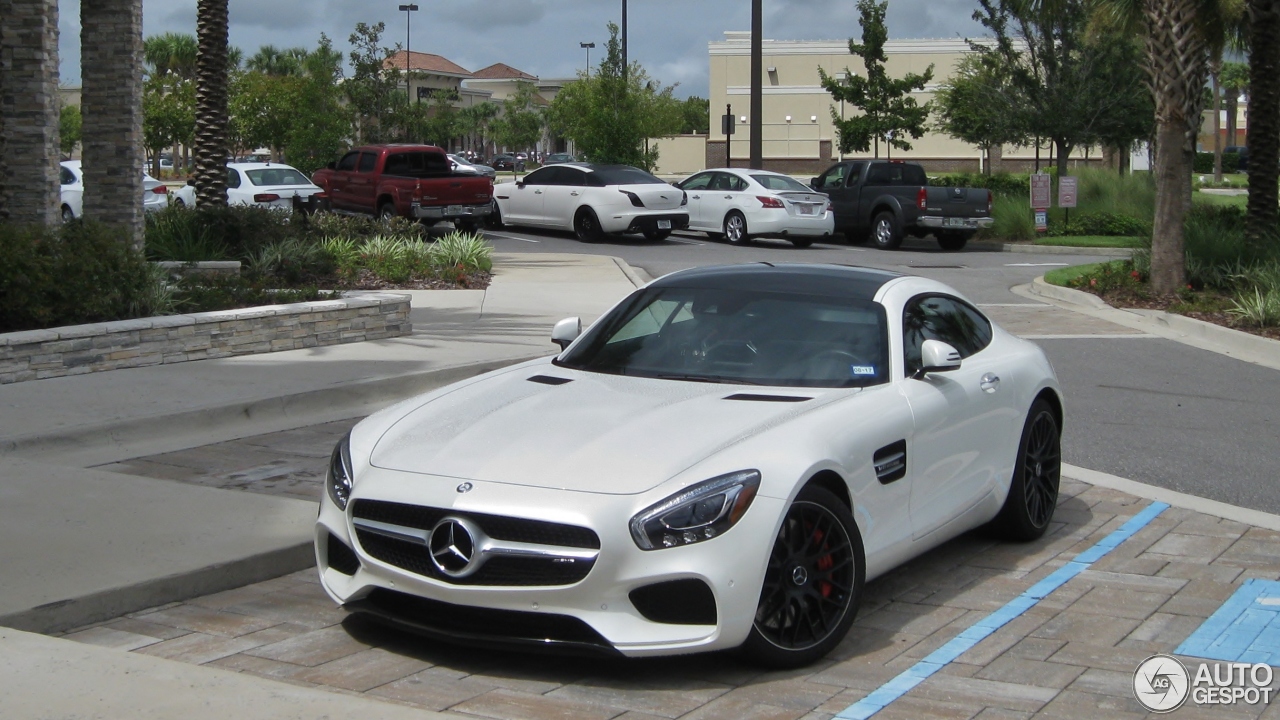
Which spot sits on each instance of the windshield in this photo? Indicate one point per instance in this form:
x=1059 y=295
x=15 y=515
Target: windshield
x=276 y=176
x=780 y=182
x=739 y=336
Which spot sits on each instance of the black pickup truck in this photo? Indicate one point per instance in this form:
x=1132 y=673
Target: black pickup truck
x=886 y=200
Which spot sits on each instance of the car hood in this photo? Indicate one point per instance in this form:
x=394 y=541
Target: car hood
x=596 y=433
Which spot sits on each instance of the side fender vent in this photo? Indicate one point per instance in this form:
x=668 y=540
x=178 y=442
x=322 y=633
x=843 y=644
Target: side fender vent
x=549 y=380
x=768 y=398
x=891 y=462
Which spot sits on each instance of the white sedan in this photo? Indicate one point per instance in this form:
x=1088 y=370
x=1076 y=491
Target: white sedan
x=743 y=204
x=720 y=461
x=462 y=165
x=267 y=185
x=592 y=201
x=155 y=194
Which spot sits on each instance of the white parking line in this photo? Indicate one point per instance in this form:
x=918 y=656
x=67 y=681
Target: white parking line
x=509 y=237
x=684 y=242
x=1036 y=264
x=1099 y=336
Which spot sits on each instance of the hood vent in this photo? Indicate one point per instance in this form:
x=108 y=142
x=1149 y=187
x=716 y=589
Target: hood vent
x=768 y=398
x=891 y=462
x=549 y=380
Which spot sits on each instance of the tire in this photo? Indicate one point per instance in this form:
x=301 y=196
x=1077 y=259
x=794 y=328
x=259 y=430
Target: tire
x=735 y=229
x=386 y=211
x=493 y=220
x=67 y=215
x=802 y=242
x=1033 y=491
x=468 y=227
x=952 y=241
x=854 y=237
x=178 y=201
x=587 y=226
x=656 y=235
x=885 y=233
x=797 y=620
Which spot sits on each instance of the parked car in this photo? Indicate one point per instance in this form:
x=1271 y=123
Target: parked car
x=268 y=185
x=155 y=194
x=890 y=199
x=720 y=461
x=506 y=162
x=463 y=165
x=185 y=195
x=413 y=181
x=743 y=204
x=557 y=158
x=1243 y=152
x=592 y=201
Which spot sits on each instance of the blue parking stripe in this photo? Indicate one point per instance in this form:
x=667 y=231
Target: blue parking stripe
x=887 y=693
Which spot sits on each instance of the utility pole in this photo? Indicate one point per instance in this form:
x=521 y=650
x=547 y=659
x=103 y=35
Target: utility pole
x=757 y=84
x=625 y=69
x=408 y=55
x=587 y=46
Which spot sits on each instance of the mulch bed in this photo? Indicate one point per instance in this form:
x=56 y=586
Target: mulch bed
x=472 y=281
x=1178 y=306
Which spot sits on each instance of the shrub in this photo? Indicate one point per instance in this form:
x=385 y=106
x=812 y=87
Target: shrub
x=293 y=261
x=1204 y=162
x=998 y=183
x=1261 y=308
x=1104 y=223
x=1013 y=219
x=205 y=293
x=76 y=273
x=177 y=233
x=465 y=251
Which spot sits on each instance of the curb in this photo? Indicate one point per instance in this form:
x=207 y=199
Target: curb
x=636 y=276
x=108 y=604
x=121 y=440
x=981 y=246
x=1188 y=331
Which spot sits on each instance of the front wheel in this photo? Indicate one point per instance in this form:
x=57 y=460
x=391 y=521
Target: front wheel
x=1033 y=491
x=587 y=226
x=67 y=215
x=812 y=583
x=735 y=229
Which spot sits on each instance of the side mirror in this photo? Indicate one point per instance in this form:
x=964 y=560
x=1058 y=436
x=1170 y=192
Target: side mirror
x=191 y=182
x=937 y=356
x=566 y=331
x=814 y=182
x=520 y=184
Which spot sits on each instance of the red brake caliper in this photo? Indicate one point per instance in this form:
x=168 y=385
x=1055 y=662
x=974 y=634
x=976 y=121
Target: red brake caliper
x=824 y=563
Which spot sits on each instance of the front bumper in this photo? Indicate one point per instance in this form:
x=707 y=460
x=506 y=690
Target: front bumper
x=936 y=222
x=450 y=212
x=596 y=613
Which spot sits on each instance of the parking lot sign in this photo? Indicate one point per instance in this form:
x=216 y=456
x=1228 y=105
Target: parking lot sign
x=1041 y=191
x=1067 y=191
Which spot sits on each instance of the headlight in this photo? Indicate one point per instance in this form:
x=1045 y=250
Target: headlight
x=339 y=480
x=697 y=513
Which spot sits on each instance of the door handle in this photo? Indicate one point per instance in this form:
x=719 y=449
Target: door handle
x=574 y=193
x=990 y=382
x=728 y=197
x=696 y=197
x=537 y=192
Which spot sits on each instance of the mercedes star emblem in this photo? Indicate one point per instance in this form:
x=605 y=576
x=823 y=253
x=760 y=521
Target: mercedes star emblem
x=453 y=547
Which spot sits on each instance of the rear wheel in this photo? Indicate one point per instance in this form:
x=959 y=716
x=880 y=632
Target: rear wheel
x=494 y=219
x=1033 y=492
x=587 y=226
x=735 y=228
x=801 y=242
x=812 y=583
x=952 y=241
x=884 y=231
x=468 y=227
x=386 y=211
x=67 y=215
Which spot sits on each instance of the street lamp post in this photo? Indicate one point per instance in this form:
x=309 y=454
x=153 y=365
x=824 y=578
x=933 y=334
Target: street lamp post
x=587 y=46
x=408 y=56
x=624 y=38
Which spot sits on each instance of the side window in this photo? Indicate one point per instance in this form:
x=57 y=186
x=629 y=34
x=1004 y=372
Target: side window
x=834 y=178
x=855 y=172
x=544 y=176
x=571 y=176
x=737 y=184
x=367 y=161
x=880 y=174
x=233 y=178
x=939 y=317
x=914 y=175
x=348 y=161
x=397 y=164
x=699 y=182
x=66 y=177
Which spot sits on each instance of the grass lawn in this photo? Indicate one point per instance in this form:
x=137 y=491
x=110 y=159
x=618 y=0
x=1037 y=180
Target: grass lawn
x=1062 y=276
x=1239 y=180
x=1103 y=241
x=1239 y=201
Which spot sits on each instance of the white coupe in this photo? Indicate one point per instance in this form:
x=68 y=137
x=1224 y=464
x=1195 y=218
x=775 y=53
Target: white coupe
x=721 y=461
x=739 y=205
x=592 y=201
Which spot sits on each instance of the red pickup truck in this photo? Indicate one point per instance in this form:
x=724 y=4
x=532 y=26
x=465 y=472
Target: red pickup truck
x=413 y=181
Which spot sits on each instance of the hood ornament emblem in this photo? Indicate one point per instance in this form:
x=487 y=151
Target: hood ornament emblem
x=454 y=545
x=465 y=487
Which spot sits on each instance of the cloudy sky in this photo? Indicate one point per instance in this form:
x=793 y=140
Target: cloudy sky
x=668 y=37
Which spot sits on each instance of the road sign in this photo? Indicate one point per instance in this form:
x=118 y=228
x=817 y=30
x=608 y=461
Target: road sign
x=726 y=124
x=1067 y=191
x=1041 y=191
x=1042 y=220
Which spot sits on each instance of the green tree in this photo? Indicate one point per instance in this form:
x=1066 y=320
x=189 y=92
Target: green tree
x=322 y=121
x=474 y=122
x=611 y=114
x=70 y=128
x=888 y=110
x=980 y=106
x=695 y=116
x=263 y=111
x=171 y=53
x=374 y=93
x=1235 y=82
x=270 y=60
x=168 y=115
x=521 y=123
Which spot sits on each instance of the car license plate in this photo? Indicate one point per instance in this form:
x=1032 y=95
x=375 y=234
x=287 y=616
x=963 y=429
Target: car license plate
x=664 y=224
x=956 y=222
x=807 y=209
x=453 y=210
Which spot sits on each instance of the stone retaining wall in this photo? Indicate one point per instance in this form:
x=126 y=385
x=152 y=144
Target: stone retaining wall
x=79 y=349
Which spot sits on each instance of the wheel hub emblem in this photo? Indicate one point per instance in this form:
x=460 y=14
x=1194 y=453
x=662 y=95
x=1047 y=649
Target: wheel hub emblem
x=799 y=575
x=453 y=544
x=1039 y=470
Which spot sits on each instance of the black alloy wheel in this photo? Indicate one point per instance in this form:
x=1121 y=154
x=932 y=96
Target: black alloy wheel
x=812 y=583
x=587 y=226
x=1033 y=492
x=467 y=227
x=493 y=220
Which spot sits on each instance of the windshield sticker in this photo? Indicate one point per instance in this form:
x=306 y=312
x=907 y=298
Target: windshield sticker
x=857 y=370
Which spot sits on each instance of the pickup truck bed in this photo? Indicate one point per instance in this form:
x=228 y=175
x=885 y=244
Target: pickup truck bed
x=413 y=181
x=886 y=200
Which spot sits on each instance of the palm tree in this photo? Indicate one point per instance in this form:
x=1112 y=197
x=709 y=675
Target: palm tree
x=270 y=60
x=1233 y=12
x=211 y=103
x=1180 y=36
x=1264 y=126
x=1235 y=81
x=171 y=53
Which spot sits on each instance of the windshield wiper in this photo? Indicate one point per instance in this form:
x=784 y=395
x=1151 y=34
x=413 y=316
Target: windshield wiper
x=707 y=379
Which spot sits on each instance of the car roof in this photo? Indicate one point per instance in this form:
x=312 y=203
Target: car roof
x=841 y=281
x=261 y=166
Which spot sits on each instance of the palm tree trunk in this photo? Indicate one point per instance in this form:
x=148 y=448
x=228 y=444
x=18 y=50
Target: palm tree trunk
x=1231 y=99
x=29 y=188
x=1215 y=70
x=1264 y=125
x=211 y=103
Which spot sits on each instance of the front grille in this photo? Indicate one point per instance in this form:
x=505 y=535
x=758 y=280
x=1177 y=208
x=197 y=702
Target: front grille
x=497 y=571
x=341 y=557
x=676 y=602
x=474 y=625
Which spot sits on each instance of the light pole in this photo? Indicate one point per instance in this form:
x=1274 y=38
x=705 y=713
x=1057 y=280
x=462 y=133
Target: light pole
x=408 y=56
x=757 y=90
x=587 y=47
x=624 y=38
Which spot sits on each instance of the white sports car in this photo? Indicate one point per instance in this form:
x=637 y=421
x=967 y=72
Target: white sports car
x=720 y=461
x=592 y=201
